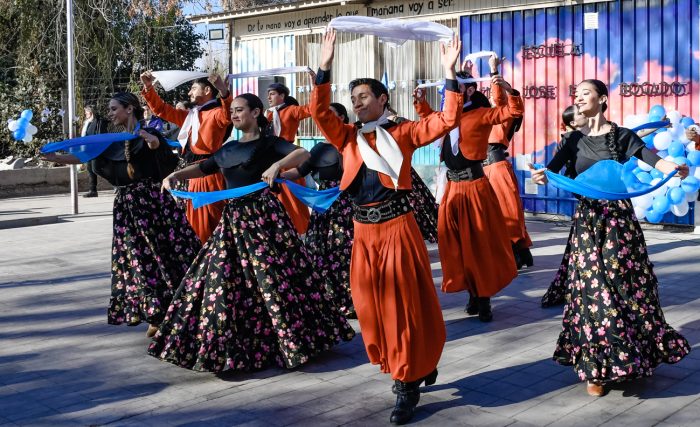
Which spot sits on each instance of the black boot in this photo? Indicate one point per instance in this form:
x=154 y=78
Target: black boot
x=526 y=257
x=516 y=255
x=407 y=397
x=428 y=380
x=485 y=314
x=472 y=307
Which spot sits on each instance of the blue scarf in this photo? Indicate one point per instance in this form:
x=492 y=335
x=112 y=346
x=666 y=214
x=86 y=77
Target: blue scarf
x=604 y=180
x=320 y=201
x=86 y=148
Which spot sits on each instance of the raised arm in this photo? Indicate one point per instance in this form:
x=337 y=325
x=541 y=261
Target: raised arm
x=513 y=108
x=331 y=126
x=223 y=113
x=420 y=104
x=157 y=105
x=437 y=124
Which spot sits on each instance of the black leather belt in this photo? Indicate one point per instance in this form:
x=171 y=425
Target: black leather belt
x=497 y=153
x=382 y=212
x=468 y=174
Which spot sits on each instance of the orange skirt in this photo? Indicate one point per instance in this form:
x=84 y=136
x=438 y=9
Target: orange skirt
x=395 y=299
x=475 y=251
x=505 y=185
x=297 y=211
x=205 y=219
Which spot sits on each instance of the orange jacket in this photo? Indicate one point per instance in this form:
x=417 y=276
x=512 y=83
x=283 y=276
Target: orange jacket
x=408 y=135
x=290 y=116
x=213 y=122
x=475 y=125
x=499 y=133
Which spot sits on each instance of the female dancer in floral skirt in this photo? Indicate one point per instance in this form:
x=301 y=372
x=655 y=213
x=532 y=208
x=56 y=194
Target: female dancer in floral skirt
x=153 y=245
x=251 y=298
x=330 y=234
x=613 y=327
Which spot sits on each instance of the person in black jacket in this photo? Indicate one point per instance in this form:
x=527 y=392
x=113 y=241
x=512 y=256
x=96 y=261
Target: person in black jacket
x=93 y=124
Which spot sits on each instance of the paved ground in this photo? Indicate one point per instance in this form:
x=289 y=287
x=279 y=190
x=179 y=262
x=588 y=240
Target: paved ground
x=61 y=364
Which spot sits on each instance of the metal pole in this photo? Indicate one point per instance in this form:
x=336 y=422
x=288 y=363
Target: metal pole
x=71 y=101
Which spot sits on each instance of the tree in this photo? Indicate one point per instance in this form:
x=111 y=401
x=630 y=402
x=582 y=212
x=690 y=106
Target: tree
x=115 y=40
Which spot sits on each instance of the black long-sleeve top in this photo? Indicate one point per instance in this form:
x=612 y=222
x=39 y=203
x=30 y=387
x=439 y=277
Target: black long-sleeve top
x=325 y=163
x=243 y=163
x=148 y=164
x=582 y=151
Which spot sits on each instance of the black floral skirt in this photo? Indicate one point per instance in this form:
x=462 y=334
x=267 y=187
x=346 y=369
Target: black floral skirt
x=613 y=327
x=329 y=241
x=153 y=245
x=556 y=293
x=251 y=298
x=425 y=207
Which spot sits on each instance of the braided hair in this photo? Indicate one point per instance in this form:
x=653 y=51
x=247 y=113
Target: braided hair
x=128 y=99
x=611 y=138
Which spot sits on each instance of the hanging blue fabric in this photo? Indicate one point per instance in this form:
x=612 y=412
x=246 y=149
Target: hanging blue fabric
x=173 y=144
x=604 y=180
x=319 y=201
x=86 y=148
x=652 y=125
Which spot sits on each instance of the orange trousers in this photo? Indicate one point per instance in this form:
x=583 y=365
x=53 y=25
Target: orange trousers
x=475 y=251
x=205 y=219
x=297 y=211
x=505 y=185
x=395 y=299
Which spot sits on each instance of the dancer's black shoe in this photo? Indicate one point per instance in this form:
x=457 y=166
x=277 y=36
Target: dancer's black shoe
x=407 y=397
x=485 y=314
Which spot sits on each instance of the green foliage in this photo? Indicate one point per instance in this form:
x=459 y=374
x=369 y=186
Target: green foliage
x=114 y=42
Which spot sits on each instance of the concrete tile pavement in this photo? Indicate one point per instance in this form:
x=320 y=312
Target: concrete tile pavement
x=61 y=364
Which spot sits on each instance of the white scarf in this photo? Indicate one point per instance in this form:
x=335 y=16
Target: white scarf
x=389 y=159
x=192 y=123
x=87 y=122
x=276 y=122
x=454 y=135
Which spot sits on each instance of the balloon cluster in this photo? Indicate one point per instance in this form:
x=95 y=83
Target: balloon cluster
x=670 y=144
x=22 y=129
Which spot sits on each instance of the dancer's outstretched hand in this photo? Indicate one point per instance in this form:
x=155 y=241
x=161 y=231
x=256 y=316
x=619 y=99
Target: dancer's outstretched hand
x=538 y=176
x=220 y=84
x=147 y=79
x=450 y=55
x=312 y=77
x=327 y=49
x=168 y=183
x=418 y=95
x=270 y=174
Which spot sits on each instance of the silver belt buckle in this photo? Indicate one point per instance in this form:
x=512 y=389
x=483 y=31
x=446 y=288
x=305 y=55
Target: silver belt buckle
x=468 y=173
x=373 y=215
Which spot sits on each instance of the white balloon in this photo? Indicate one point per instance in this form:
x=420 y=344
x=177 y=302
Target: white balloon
x=27 y=137
x=674 y=116
x=676 y=132
x=639 y=212
x=31 y=129
x=690 y=146
x=674 y=182
x=643 y=201
x=697 y=173
x=643 y=166
x=13 y=125
x=662 y=140
x=681 y=208
x=691 y=197
x=659 y=191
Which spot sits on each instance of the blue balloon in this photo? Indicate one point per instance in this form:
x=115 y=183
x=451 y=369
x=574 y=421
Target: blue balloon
x=676 y=149
x=675 y=195
x=680 y=160
x=657 y=110
x=19 y=134
x=686 y=122
x=690 y=184
x=629 y=165
x=653 y=216
x=659 y=130
x=649 y=141
x=22 y=123
x=644 y=177
x=27 y=114
x=660 y=205
x=693 y=158
x=637 y=170
x=655 y=173
x=662 y=153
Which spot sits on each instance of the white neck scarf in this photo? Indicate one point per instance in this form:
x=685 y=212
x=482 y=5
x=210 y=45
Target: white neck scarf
x=276 y=122
x=192 y=123
x=454 y=135
x=389 y=159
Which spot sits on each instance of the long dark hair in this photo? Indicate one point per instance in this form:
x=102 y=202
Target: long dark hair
x=254 y=102
x=611 y=138
x=567 y=116
x=128 y=99
x=341 y=110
